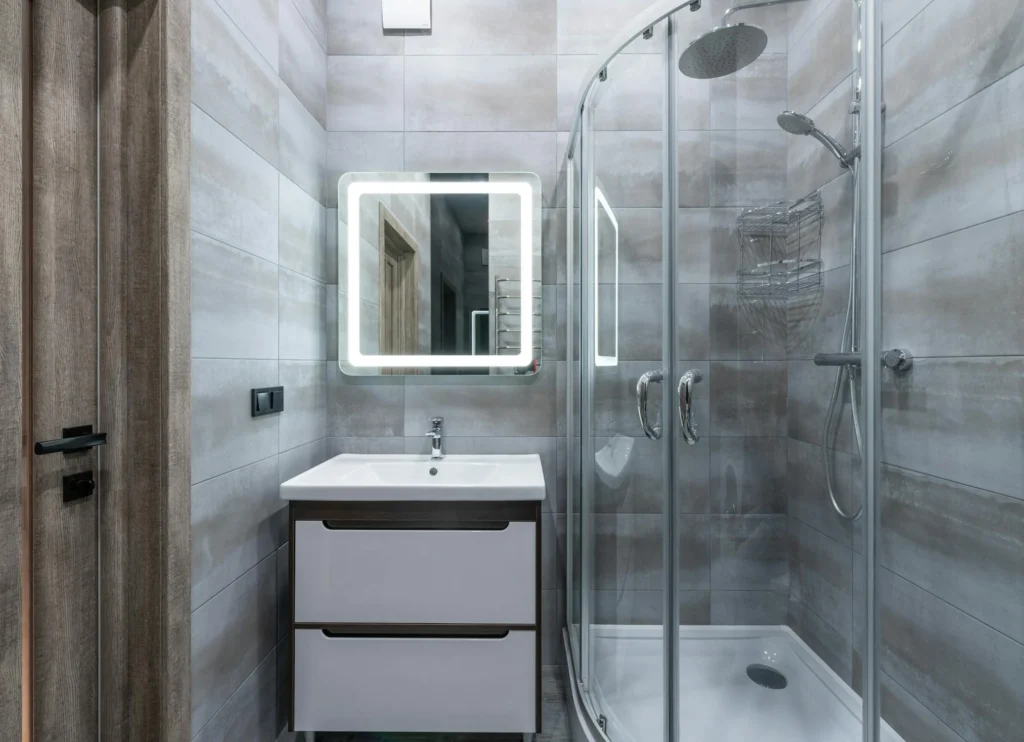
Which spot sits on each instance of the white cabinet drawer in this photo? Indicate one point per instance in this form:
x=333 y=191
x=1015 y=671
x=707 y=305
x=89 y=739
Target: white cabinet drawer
x=423 y=684
x=415 y=576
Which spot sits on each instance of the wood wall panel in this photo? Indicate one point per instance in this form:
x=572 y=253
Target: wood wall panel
x=11 y=473
x=145 y=316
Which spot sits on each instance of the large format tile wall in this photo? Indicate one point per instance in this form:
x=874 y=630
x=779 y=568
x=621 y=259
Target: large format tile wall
x=953 y=428
x=731 y=495
x=477 y=94
x=258 y=297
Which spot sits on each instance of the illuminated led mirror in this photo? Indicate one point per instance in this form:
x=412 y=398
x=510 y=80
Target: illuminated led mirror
x=439 y=273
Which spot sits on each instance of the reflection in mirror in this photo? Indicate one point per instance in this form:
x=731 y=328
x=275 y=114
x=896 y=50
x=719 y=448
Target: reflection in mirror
x=439 y=273
x=606 y=280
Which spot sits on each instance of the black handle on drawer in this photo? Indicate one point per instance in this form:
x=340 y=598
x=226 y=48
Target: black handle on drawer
x=416 y=525
x=417 y=631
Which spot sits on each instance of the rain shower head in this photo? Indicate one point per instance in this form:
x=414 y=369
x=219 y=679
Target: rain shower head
x=800 y=125
x=722 y=51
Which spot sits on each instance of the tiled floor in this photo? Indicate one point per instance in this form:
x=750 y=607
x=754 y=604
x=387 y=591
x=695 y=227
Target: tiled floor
x=554 y=722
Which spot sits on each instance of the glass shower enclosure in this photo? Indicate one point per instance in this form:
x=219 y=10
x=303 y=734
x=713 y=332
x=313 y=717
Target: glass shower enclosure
x=712 y=234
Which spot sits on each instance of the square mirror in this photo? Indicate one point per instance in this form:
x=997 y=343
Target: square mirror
x=439 y=274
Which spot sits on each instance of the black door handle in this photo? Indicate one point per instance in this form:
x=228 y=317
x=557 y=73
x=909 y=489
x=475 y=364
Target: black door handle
x=75 y=439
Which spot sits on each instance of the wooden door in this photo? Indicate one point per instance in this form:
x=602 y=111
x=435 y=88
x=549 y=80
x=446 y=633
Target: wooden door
x=63 y=361
x=94 y=332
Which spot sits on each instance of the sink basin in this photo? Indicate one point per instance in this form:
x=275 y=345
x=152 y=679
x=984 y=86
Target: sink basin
x=406 y=477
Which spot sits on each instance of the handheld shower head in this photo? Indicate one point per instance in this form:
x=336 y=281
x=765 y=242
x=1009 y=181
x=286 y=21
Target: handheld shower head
x=800 y=125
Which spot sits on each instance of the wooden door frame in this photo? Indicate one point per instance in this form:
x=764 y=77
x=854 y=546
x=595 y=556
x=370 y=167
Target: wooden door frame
x=143 y=154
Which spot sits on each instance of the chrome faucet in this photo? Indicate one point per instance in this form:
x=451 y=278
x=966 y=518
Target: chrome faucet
x=435 y=435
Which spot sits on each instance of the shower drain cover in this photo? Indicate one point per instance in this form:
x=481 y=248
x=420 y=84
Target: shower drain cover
x=767 y=677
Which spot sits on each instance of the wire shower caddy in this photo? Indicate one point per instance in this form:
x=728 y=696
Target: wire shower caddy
x=780 y=249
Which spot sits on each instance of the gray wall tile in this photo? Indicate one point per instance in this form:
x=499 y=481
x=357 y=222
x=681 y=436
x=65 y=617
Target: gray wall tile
x=485 y=93
x=629 y=167
x=314 y=13
x=628 y=552
x=225 y=436
x=338 y=446
x=361 y=152
x=961 y=544
x=258 y=22
x=748 y=608
x=748 y=167
x=810 y=165
x=932 y=300
x=304 y=419
x=301 y=236
x=293 y=462
x=696 y=551
x=303 y=64
x=488 y=27
x=823 y=639
x=908 y=717
x=821 y=57
x=896 y=14
x=748 y=398
x=810 y=388
x=748 y=476
x=960 y=419
x=751 y=98
x=815 y=321
x=585 y=26
x=807 y=497
x=231 y=635
x=356 y=28
x=231 y=81
x=925 y=75
x=631 y=99
x=749 y=552
x=234 y=190
x=234 y=300
x=365 y=93
x=365 y=408
x=516 y=408
x=823 y=571
x=236 y=522
x=965 y=672
x=744 y=329
x=532 y=152
x=303 y=146
x=957 y=170
x=251 y=713
x=302 y=313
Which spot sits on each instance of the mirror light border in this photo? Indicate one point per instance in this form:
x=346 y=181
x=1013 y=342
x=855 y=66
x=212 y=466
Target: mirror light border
x=601 y=204
x=357 y=190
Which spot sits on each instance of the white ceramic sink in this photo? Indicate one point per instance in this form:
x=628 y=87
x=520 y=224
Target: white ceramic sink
x=404 y=477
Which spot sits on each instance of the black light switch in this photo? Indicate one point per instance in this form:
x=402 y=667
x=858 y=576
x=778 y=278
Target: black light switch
x=267 y=401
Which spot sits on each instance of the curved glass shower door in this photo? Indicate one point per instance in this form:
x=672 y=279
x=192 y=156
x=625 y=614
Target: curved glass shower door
x=618 y=583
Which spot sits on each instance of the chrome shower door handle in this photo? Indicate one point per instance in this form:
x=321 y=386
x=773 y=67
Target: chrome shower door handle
x=686 y=384
x=652 y=431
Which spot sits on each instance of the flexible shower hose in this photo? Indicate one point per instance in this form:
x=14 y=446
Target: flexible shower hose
x=845 y=373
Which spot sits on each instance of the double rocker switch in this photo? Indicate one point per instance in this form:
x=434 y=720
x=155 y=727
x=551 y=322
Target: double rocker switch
x=267 y=401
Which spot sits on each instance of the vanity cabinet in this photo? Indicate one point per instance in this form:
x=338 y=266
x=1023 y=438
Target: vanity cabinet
x=415 y=616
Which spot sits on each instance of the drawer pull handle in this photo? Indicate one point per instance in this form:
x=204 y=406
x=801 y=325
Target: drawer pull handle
x=416 y=525
x=428 y=634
